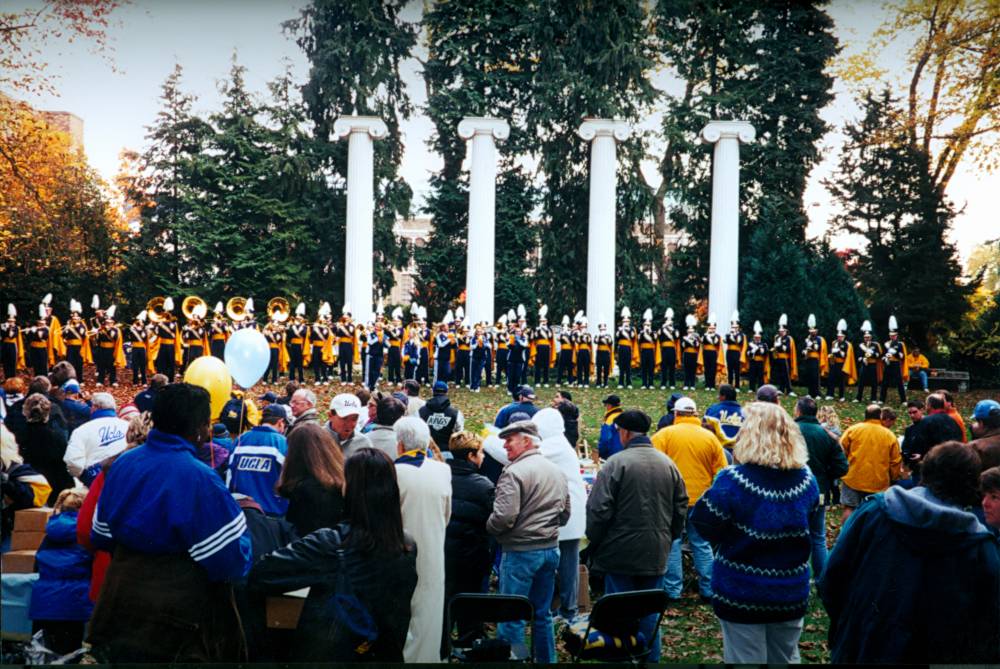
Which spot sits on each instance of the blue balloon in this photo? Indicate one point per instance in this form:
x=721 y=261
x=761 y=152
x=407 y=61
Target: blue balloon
x=247 y=356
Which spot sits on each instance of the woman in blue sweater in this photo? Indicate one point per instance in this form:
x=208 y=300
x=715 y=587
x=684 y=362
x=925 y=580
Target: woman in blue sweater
x=756 y=516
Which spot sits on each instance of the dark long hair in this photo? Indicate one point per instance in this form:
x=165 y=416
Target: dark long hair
x=371 y=503
x=312 y=454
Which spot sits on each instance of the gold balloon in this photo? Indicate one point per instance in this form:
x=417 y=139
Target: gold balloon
x=211 y=374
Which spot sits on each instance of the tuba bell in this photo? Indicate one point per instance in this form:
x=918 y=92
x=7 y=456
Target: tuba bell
x=157 y=312
x=236 y=309
x=278 y=310
x=193 y=307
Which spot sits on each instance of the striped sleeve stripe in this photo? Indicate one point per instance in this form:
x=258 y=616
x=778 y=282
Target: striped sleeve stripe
x=217 y=541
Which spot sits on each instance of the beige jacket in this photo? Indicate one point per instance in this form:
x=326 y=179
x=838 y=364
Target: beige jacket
x=532 y=503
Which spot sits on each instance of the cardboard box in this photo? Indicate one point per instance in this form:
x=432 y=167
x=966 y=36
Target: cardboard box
x=26 y=541
x=31 y=520
x=18 y=562
x=283 y=612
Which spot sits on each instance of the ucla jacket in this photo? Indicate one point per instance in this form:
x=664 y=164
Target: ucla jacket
x=255 y=467
x=160 y=499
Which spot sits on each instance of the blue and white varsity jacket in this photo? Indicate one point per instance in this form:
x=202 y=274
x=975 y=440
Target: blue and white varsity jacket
x=255 y=467
x=160 y=499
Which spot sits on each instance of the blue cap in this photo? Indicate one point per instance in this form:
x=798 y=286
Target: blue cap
x=440 y=387
x=527 y=392
x=71 y=386
x=220 y=430
x=984 y=408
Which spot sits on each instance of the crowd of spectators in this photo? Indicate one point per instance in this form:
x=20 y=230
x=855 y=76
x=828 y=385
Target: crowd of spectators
x=172 y=526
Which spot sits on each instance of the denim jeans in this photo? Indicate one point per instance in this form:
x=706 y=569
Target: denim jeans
x=532 y=574
x=568 y=577
x=624 y=583
x=922 y=375
x=701 y=550
x=817 y=537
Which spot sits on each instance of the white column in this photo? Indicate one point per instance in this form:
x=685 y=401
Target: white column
x=359 y=258
x=480 y=263
x=723 y=270
x=602 y=134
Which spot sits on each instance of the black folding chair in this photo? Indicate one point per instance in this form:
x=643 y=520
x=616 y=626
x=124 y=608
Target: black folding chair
x=487 y=608
x=618 y=615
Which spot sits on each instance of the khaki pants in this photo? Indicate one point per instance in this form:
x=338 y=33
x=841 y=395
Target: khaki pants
x=766 y=643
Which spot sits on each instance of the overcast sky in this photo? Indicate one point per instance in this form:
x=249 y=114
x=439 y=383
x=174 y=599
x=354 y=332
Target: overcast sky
x=149 y=36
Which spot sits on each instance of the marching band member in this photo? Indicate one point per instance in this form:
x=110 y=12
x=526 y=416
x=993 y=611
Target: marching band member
x=345 y=333
x=378 y=343
x=442 y=350
x=711 y=347
x=584 y=353
x=137 y=335
x=56 y=346
x=841 y=363
x=166 y=343
x=565 y=357
x=218 y=332
x=625 y=349
x=736 y=351
x=76 y=338
x=605 y=343
x=109 y=354
x=274 y=333
x=39 y=344
x=784 y=361
x=815 y=357
x=870 y=357
x=502 y=338
x=394 y=359
x=297 y=332
x=897 y=372
x=480 y=344
x=647 y=350
x=669 y=341
x=691 y=353
x=318 y=345
x=517 y=350
x=11 y=344
x=543 y=348
x=758 y=359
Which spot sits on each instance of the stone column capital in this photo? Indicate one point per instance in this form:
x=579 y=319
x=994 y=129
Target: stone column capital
x=471 y=126
x=739 y=130
x=372 y=125
x=603 y=127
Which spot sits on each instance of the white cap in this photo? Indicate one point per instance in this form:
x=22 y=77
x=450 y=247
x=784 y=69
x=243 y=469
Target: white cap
x=346 y=404
x=685 y=405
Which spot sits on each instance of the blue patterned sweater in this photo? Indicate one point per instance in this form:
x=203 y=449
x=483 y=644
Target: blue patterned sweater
x=757 y=520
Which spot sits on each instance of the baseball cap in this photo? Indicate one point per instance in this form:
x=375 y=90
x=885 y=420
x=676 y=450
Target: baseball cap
x=440 y=387
x=274 y=411
x=984 y=408
x=268 y=397
x=672 y=400
x=685 y=405
x=346 y=404
x=613 y=400
x=71 y=386
x=219 y=430
x=527 y=392
x=520 y=427
x=768 y=393
x=633 y=420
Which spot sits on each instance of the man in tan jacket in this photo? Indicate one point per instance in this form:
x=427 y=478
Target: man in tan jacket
x=532 y=503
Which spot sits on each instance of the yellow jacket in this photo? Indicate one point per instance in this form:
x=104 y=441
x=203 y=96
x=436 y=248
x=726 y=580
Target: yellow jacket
x=696 y=452
x=873 y=456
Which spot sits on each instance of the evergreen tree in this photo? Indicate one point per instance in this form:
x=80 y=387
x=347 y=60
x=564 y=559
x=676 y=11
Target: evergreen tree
x=355 y=50
x=887 y=193
x=479 y=64
x=163 y=194
x=764 y=64
x=593 y=61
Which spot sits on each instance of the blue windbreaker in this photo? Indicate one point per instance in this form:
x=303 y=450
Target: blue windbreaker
x=255 y=467
x=63 y=587
x=160 y=499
